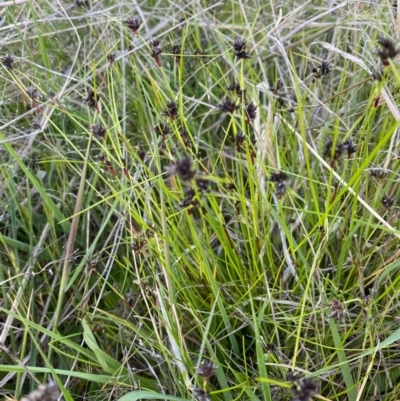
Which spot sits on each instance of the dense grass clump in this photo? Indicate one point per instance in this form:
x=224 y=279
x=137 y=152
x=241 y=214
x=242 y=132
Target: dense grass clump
x=199 y=200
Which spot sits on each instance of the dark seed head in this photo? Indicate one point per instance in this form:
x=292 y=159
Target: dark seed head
x=182 y=168
x=235 y=87
x=239 y=48
x=133 y=23
x=91 y=99
x=176 y=50
x=201 y=395
x=280 y=189
x=206 y=370
x=36 y=126
x=349 y=147
x=379 y=173
x=294 y=376
x=32 y=92
x=387 y=201
x=278 y=177
x=321 y=70
x=82 y=3
x=337 y=310
x=8 y=61
x=111 y=58
x=185 y=137
x=162 y=129
x=45 y=392
x=99 y=130
x=172 y=109
x=156 y=49
x=251 y=111
x=270 y=347
x=227 y=106
x=188 y=200
x=304 y=390
x=377 y=74
x=387 y=51
x=202 y=186
x=239 y=140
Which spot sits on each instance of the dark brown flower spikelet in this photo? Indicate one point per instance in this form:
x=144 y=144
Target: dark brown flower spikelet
x=235 y=87
x=321 y=70
x=278 y=87
x=172 y=109
x=293 y=376
x=280 y=189
x=91 y=99
x=387 y=51
x=82 y=3
x=99 y=130
x=111 y=58
x=32 y=92
x=379 y=173
x=200 y=394
x=133 y=23
x=251 y=111
x=185 y=137
x=162 y=129
x=206 y=370
x=239 y=140
x=202 y=184
x=45 y=392
x=345 y=147
x=377 y=74
x=200 y=55
x=183 y=169
x=387 y=201
x=188 y=200
x=239 y=49
x=337 y=310
x=156 y=50
x=227 y=106
x=8 y=61
x=349 y=147
x=270 y=348
x=278 y=177
x=36 y=126
x=176 y=51
x=304 y=390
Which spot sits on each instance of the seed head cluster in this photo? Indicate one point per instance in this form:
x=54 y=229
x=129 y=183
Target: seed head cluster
x=99 y=130
x=251 y=111
x=279 y=179
x=304 y=390
x=176 y=51
x=387 y=201
x=163 y=130
x=239 y=49
x=133 y=23
x=156 y=50
x=345 y=147
x=206 y=370
x=227 y=106
x=45 y=392
x=337 y=310
x=321 y=70
x=387 y=51
x=183 y=169
x=379 y=173
x=8 y=61
x=235 y=87
x=172 y=109
x=91 y=99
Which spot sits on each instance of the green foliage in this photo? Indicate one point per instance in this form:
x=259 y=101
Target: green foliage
x=227 y=193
